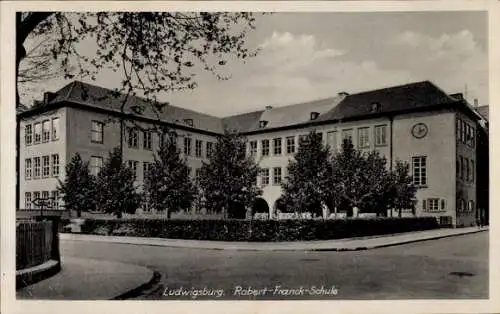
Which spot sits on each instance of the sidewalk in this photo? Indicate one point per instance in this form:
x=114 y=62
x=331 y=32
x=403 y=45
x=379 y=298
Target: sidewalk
x=87 y=279
x=352 y=244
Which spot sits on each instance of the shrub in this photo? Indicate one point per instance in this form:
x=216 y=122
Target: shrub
x=258 y=230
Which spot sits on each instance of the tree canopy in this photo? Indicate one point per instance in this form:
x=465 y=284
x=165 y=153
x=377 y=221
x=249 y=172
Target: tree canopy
x=306 y=183
x=79 y=186
x=155 y=51
x=167 y=183
x=116 y=192
x=229 y=179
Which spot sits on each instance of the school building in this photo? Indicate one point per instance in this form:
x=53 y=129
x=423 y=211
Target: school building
x=440 y=135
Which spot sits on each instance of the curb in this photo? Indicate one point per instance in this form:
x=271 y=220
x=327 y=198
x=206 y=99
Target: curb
x=364 y=248
x=32 y=275
x=136 y=292
x=231 y=246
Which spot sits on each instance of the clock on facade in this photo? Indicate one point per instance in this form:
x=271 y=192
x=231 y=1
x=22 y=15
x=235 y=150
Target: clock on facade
x=419 y=130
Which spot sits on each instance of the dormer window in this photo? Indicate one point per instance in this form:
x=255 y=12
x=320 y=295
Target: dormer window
x=376 y=107
x=314 y=115
x=188 y=122
x=262 y=124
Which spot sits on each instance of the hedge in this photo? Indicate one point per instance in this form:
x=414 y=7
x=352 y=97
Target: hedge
x=257 y=230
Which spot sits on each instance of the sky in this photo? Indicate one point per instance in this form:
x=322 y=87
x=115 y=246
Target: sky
x=308 y=56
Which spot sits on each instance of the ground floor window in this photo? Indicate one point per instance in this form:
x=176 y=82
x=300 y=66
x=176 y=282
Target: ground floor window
x=27 y=200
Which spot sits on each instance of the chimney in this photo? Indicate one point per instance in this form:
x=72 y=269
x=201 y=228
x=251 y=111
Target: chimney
x=343 y=94
x=476 y=102
x=269 y=107
x=47 y=97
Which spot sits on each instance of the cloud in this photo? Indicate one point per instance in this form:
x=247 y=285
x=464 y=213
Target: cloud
x=298 y=67
x=451 y=60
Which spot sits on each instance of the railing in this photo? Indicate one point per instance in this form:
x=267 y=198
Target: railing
x=35 y=243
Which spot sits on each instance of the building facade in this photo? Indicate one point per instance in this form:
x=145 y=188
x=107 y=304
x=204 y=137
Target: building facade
x=418 y=123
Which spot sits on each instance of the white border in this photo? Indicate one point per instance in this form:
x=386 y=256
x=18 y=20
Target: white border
x=7 y=162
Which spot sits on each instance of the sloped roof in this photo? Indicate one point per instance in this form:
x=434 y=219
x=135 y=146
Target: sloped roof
x=392 y=99
x=484 y=111
x=277 y=117
x=395 y=99
x=99 y=97
x=21 y=108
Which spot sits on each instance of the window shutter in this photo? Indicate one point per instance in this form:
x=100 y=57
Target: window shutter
x=424 y=204
x=443 y=204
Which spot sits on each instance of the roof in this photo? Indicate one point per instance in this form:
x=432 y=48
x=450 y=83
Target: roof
x=484 y=111
x=100 y=97
x=21 y=108
x=284 y=116
x=392 y=100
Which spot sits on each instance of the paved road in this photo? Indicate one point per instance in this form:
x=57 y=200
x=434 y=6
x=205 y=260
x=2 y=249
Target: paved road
x=421 y=270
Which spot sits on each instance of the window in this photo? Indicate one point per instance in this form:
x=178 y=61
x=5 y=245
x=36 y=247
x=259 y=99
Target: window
x=38 y=132
x=265 y=176
x=364 y=137
x=97 y=130
x=459 y=129
x=253 y=148
x=472 y=170
x=314 y=115
x=467 y=170
x=462 y=167
x=265 y=147
x=146 y=141
x=443 y=204
x=37 y=166
x=198 y=148
x=55 y=165
x=173 y=139
x=464 y=136
x=36 y=196
x=470 y=206
x=45 y=131
x=432 y=205
x=28 y=168
x=419 y=170
x=380 y=135
x=46 y=166
x=55 y=129
x=290 y=145
x=132 y=164
x=459 y=167
x=45 y=195
x=187 y=146
x=331 y=139
x=95 y=165
x=210 y=147
x=347 y=135
x=27 y=200
x=161 y=139
x=473 y=138
x=277 y=176
x=145 y=169
x=28 y=135
x=189 y=171
x=198 y=173
x=55 y=199
x=133 y=138
x=277 y=146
